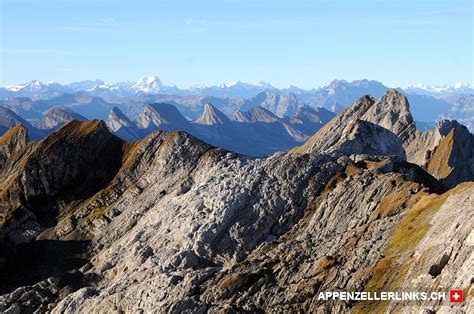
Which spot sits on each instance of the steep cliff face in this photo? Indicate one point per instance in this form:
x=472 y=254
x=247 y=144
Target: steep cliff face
x=392 y=112
x=452 y=160
x=57 y=117
x=9 y=119
x=330 y=134
x=122 y=126
x=212 y=116
x=14 y=140
x=172 y=224
x=164 y=117
x=445 y=152
x=280 y=105
x=67 y=166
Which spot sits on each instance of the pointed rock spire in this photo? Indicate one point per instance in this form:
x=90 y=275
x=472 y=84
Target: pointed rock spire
x=119 y=124
x=392 y=112
x=332 y=132
x=212 y=115
x=56 y=117
x=118 y=119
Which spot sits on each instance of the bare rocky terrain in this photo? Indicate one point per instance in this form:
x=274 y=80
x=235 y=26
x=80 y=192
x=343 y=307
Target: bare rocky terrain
x=92 y=223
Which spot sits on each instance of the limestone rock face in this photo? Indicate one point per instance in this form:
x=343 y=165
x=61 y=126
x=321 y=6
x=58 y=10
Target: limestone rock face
x=330 y=134
x=419 y=149
x=257 y=114
x=443 y=258
x=348 y=134
x=14 y=140
x=320 y=253
x=392 y=112
x=446 y=152
x=164 y=117
x=68 y=165
x=122 y=126
x=280 y=105
x=91 y=223
x=367 y=138
x=212 y=116
x=9 y=119
x=452 y=160
x=57 y=117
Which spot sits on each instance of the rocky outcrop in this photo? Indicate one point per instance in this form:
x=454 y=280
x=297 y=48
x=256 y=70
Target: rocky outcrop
x=163 y=117
x=442 y=258
x=308 y=120
x=172 y=224
x=363 y=137
x=320 y=255
x=280 y=105
x=257 y=132
x=392 y=112
x=70 y=164
x=256 y=114
x=119 y=124
x=13 y=141
x=330 y=134
x=212 y=116
x=57 y=117
x=9 y=119
x=419 y=149
x=445 y=152
x=452 y=160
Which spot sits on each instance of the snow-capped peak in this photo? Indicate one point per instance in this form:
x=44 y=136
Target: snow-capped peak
x=15 y=88
x=262 y=84
x=243 y=84
x=197 y=87
x=33 y=85
x=102 y=86
x=229 y=84
x=149 y=84
x=441 y=89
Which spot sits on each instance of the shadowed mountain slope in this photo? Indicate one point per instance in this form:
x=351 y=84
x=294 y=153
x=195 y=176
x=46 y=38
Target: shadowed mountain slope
x=172 y=224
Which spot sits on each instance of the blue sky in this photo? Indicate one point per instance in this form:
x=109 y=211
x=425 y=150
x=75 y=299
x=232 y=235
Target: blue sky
x=302 y=43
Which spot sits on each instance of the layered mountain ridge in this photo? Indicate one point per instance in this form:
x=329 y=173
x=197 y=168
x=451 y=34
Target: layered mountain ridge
x=57 y=117
x=172 y=224
x=428 y=104
x=257 y=133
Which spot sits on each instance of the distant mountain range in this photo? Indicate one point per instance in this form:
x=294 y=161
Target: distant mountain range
x=256 y=119
x=255 y=132
x=441 y=90
x=153 y=85
x=170 y=224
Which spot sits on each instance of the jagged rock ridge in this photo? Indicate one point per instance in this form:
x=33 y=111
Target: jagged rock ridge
x=178 y=225
x=57 y=117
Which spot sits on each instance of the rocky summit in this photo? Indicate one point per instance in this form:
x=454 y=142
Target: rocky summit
x=92 y=223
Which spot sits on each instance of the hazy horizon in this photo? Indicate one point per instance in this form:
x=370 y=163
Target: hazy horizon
x=302 y=43
x=236 y=81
